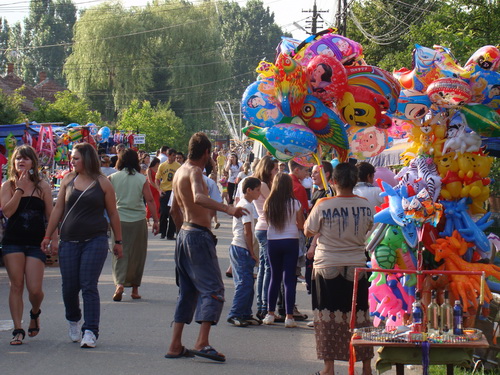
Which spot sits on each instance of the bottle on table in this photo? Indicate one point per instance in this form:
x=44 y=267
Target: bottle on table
x=446 y=314
x=417 y=314
x=433 y=314
x=457 y=318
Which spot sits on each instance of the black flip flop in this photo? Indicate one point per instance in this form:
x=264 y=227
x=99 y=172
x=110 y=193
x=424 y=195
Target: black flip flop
x=210 y=353
x=184 y=353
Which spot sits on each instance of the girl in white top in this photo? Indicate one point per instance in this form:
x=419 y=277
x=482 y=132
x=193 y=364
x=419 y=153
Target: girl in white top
x=233 y=167
x=285 y=219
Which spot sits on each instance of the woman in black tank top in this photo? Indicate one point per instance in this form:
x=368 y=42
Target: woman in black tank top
x=84 y=195
x=26 y=201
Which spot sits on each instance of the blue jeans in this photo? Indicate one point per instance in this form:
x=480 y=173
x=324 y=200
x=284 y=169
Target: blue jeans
x=264 y=273
x=81 y=265
x=242 y=264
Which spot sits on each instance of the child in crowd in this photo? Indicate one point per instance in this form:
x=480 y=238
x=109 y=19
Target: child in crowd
x=243 y=258
x=223 y=182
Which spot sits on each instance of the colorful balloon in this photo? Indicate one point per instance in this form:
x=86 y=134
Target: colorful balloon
x=104 y=132
x=482 y=119
x=290 y=85
x=284 y=141
x=367 y=143
x=377 y=81
x=486 y=57
x=339 y=47
x=449 y=92
x=361 y=108
x=325 y=123
x=259 y=106
x=412 y=105
x=327 y=78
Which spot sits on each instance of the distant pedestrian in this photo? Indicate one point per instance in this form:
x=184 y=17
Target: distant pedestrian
x=164 y=178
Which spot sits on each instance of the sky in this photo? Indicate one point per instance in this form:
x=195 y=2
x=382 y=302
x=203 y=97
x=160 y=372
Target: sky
x=286 y=12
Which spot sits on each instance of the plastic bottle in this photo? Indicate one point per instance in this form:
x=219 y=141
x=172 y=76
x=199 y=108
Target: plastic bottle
x=457 y=318
x=446 y=314
x=433 y=314
x=417 y=314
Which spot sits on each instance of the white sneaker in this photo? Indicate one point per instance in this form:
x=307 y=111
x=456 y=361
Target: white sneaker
x=311 y=324
x=89 y=340
x=290 y=323
x=269 y=319
x=74 y=331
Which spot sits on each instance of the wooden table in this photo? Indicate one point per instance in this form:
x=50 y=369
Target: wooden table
x=482 y=343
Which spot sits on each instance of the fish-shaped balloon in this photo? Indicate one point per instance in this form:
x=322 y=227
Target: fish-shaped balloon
x=290 y=82
x=284 y=141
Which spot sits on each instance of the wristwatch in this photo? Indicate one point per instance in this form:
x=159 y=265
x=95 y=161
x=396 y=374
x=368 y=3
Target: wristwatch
x=119 y=242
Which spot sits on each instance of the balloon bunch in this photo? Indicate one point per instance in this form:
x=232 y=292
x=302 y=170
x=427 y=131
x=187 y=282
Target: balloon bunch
x=320 y=92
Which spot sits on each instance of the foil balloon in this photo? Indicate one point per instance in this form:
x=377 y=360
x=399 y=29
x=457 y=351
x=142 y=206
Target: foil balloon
x=284 y=141
x=367 y=143
x=325 y=123
x=449 y=92
x=259 y=106
x=343 y=49
x=265 y=69
x=104 y=132
x=485 y=87
x=287 y=45
x=482 y=119
x=327 y=78
x=362 y=108
x=412 y=105
x=290 y=85
x=486 y=57
x=377 y=81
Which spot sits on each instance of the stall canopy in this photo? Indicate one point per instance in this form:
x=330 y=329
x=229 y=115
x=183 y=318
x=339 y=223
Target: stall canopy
x=391 y=156
x=16 y=130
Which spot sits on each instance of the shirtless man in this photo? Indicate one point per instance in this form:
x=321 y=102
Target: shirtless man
x=199 y=277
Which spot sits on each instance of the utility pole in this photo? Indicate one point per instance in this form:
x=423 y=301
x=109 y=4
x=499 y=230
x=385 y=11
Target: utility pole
x=341 y=17
x=317 y=20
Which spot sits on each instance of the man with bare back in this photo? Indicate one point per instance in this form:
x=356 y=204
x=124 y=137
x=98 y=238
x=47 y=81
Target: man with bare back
x=198 y=273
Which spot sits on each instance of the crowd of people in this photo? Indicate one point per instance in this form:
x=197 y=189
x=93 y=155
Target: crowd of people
x=283 y=225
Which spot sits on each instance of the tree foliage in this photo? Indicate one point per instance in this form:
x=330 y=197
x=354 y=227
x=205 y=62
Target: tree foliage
x=4 y=40
x=189 y=55
x=10 y=107
x=67 y=108
x=160 y=124
x=50 y=25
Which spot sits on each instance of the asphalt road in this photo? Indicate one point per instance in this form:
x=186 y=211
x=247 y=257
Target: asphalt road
x=134 y=334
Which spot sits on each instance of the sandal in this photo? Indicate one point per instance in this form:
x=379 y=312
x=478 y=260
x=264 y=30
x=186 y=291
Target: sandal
x=32 y=332
x=16 y=340
x=118 y=293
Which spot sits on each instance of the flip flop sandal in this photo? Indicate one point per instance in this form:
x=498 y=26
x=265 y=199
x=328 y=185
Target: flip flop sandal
x=32 y=332
x=16 y=340
x=210 y=353
x=184 y=353
x=118 y=294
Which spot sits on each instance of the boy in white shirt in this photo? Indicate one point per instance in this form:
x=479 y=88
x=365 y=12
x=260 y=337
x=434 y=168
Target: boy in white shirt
x=243 y=258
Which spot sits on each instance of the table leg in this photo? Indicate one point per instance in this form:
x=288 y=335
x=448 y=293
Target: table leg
x=400 y=369
x=449 y=369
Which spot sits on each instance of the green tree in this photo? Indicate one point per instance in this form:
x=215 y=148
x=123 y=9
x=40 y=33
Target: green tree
x=4 y=42
x=46 y=39
x=67 y=108
x=160 y=124
x=10 y=107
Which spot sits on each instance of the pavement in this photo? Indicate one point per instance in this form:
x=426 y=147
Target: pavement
x=134 y=334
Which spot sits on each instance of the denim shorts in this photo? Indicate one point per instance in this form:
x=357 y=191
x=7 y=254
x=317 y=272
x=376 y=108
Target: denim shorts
x=28 y=250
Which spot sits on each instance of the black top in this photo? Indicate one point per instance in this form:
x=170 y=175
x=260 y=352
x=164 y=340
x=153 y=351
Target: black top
x=86 y=220
x=318 y=194
x=26 y=226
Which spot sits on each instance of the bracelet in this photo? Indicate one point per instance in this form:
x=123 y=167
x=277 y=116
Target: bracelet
x=119 y=242
x=46 y=238
x=21 y=190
